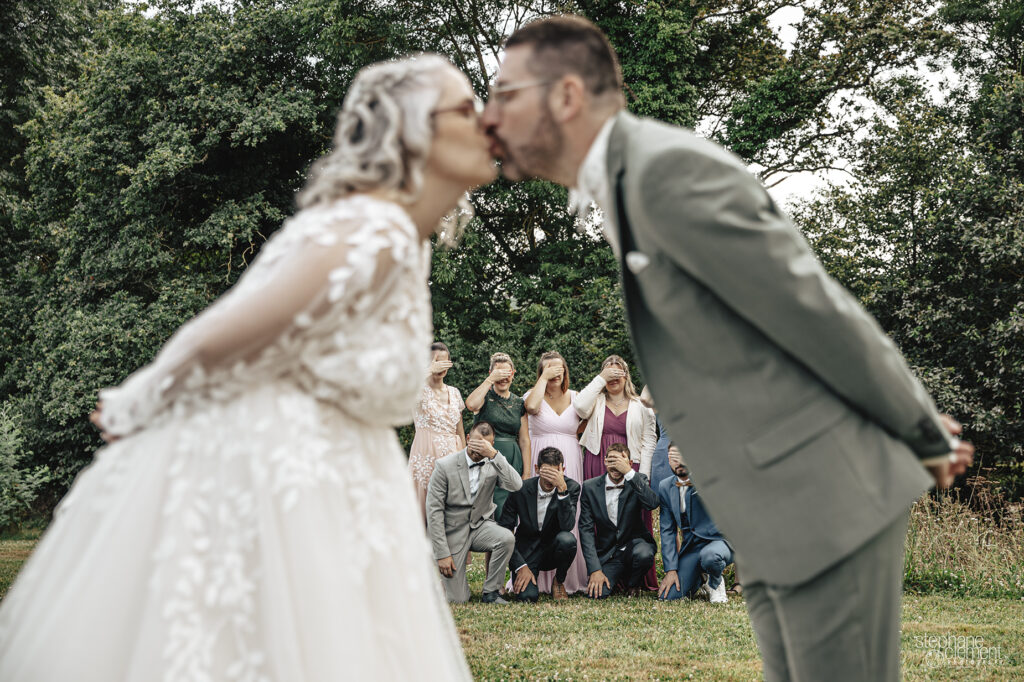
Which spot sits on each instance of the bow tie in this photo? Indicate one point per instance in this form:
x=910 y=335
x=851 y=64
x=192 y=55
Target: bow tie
x=614 y=487
x=541 y=494
x=477 y=464
x=680 y=484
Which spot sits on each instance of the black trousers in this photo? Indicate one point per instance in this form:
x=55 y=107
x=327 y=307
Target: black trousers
x=558 y=555
x=632 y=561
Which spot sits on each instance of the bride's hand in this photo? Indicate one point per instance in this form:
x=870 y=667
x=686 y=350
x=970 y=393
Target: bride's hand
x=96 y=417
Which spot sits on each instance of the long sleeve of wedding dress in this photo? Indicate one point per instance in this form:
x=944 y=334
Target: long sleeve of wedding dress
x=325 y=263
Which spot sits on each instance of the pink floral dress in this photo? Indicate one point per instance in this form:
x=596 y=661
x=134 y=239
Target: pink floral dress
x=437 y=425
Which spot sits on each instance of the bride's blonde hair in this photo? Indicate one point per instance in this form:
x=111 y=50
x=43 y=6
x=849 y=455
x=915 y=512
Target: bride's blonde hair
x=383 y=138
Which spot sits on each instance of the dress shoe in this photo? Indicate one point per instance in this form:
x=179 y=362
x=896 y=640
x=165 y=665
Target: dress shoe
x=633 y=592
x=558 y=591
x=492 y=598
x=704 y=591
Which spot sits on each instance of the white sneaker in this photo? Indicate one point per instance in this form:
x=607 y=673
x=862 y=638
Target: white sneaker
x=718 y=595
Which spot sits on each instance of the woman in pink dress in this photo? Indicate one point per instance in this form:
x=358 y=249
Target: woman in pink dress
x=439 y=428
x=553 y=423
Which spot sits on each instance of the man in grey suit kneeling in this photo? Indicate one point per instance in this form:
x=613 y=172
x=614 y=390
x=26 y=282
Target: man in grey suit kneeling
x=810 y=437
x=460 y=513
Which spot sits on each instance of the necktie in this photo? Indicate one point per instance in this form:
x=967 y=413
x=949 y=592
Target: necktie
x=613 y=487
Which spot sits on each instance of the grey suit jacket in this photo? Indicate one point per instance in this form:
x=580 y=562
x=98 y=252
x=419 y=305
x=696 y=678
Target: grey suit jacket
x=799 y=418
x=451 y=512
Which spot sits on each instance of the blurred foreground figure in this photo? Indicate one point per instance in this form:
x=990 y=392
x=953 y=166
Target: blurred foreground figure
x=252 y=517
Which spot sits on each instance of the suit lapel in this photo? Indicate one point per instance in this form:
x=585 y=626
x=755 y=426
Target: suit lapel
x=601 y=505
x=674 y=499
x=463 y=468
x=624 y=496
x=616 y=167
x=531 y=501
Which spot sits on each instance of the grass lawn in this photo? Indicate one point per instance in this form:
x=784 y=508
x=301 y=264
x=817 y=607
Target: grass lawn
x=944 y=638
x=643 y=639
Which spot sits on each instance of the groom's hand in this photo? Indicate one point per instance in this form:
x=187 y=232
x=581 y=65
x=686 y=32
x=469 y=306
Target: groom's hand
x=446 y=566
x=960 y=459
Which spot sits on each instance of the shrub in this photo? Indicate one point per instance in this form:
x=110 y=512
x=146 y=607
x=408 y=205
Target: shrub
x=18 y=486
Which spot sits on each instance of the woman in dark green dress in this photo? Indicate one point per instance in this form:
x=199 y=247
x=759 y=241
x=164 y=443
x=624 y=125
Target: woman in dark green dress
x=492 y=401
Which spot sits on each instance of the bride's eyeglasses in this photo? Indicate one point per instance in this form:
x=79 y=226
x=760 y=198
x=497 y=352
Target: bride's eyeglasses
x=471 y=108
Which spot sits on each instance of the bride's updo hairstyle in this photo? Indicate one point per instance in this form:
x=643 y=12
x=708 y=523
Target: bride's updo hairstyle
x=383 y=136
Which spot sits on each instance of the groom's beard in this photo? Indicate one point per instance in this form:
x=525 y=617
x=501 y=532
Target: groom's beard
x=534 y=159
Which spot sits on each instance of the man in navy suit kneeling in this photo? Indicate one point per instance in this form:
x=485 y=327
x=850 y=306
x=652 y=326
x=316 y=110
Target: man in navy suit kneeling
x=702 y=550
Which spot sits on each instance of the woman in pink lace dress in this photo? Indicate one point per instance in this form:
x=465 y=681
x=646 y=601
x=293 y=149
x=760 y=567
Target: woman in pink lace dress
x=439 y=428
x=553 y=423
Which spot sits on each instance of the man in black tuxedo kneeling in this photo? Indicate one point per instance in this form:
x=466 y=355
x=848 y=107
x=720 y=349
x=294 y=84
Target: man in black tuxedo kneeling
x=542 y=514
x=616 y=544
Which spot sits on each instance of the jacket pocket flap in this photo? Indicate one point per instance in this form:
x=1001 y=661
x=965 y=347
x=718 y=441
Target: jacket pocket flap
x=801 y=427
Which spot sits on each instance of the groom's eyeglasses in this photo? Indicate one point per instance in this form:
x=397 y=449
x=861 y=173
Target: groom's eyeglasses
x=471 y=108
x=503 y=94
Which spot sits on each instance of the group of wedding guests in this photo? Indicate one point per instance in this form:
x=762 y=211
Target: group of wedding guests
x=558 y=486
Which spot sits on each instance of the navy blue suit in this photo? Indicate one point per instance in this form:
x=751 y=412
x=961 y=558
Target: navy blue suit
x=704 y=549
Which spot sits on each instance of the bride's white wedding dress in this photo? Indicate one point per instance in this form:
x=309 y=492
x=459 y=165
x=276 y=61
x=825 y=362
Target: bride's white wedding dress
x=256 y=520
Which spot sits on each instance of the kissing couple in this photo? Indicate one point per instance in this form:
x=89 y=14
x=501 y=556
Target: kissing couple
x=251 y=516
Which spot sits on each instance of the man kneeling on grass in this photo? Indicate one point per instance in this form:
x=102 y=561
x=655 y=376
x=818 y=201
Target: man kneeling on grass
x=460 y=513
x=615 y=542
x=702 y=550
x=542 y=513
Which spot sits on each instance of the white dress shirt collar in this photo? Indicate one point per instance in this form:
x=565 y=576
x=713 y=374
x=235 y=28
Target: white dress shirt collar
x=474 y=475
x=592 y=184
x=612 y=494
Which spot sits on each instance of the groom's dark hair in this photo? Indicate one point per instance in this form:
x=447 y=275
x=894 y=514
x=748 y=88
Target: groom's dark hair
x=566 y=43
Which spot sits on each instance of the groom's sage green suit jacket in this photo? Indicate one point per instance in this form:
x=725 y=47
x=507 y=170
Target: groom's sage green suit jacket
x=802 y=424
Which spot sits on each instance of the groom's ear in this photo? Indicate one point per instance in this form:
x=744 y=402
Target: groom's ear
x=567 y=98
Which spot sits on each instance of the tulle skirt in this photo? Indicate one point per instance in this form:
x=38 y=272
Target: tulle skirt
x=265 y=537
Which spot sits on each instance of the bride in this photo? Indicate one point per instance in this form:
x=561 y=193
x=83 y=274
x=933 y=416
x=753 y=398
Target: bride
x=251 y=517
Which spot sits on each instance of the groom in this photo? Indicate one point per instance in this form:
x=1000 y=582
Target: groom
x=810 y=436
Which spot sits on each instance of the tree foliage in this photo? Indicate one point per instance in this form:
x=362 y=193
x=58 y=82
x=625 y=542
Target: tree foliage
x=932 y=233
x=150 y=180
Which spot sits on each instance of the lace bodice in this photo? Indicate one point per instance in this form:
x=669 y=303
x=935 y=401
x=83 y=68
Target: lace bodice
x=432 y=414
x=337 y=303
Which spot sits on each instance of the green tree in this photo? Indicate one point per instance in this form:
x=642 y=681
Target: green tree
x=155 y=178
x=931 y=235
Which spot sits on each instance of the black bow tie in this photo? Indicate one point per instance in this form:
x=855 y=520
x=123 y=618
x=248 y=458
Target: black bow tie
x=477 y=464
x=614 y=487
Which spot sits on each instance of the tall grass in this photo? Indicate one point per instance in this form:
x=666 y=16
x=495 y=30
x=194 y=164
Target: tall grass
x=972 y=547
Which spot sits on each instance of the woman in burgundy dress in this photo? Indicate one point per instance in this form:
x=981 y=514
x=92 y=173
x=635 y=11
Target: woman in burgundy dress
x=612 y=404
